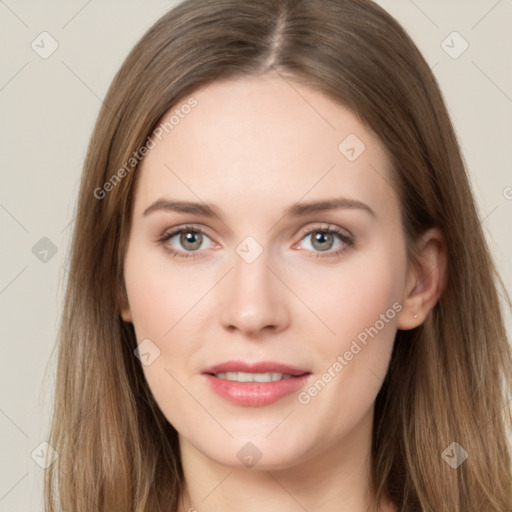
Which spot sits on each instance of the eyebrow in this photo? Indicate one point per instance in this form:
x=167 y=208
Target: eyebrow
x=295 y=210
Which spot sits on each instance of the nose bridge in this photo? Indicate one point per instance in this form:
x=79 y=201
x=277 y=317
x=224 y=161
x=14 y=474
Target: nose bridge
x=250 y=273
x=253 y=299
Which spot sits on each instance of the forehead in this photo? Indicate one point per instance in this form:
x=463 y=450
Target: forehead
x=263 y=140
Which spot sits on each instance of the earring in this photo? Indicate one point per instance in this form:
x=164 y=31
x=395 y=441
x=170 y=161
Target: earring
x=415 y=316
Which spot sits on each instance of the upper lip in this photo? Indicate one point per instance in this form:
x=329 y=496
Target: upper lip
x=255 y=367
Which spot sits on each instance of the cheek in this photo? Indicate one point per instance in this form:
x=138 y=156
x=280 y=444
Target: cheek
x=359 y=306
x=165 y=302
x=160 y=302
x=355 y=296
x=160 y=294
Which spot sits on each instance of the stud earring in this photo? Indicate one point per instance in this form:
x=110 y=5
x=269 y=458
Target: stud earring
x=415 y=316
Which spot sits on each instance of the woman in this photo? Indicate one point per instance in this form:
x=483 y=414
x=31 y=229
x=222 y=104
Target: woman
x=281 y=297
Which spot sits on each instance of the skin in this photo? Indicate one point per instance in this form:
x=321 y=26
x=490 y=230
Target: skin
x=254 y=146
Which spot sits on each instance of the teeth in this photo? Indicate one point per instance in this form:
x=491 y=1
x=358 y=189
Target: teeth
x=253 y=377
x=243 y=377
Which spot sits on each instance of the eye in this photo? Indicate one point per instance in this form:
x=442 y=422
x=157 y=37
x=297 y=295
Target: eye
x=190 y=238
x=330 y=240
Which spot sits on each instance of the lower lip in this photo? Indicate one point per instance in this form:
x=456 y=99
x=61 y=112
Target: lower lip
x=255 y=394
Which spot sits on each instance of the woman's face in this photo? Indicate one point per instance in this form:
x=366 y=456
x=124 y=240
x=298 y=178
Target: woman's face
x=256 y=288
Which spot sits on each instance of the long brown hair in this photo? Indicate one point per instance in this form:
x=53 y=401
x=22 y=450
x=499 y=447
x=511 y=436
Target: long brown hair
x=448 y=379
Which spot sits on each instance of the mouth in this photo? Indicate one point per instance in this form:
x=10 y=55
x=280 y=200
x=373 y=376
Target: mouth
x=253 y=377
x=255 y=384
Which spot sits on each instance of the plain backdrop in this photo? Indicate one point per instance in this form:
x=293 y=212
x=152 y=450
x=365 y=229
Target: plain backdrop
x=48 y=107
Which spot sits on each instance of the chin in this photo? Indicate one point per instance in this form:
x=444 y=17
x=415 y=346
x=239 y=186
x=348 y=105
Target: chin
x=256 y=452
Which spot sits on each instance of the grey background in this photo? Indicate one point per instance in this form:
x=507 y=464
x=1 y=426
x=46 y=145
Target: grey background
x=48 y=108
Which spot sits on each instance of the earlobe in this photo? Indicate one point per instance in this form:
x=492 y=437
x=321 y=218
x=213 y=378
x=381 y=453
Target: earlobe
x=124 y=306
x=126 y=314
x=426 y=280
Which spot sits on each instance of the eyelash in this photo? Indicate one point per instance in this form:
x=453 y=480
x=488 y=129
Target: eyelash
x=347 y=240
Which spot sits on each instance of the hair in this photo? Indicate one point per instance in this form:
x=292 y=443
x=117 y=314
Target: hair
x=448 y=379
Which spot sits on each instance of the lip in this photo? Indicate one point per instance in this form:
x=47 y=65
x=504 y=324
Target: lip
x=255 y=394
x=256 y=367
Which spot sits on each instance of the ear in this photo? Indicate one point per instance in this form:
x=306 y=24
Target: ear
x=124 y=306
x=126 y=314
x=426 y=279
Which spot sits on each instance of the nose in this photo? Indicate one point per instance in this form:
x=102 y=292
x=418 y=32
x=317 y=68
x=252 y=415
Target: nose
x=254 y=299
